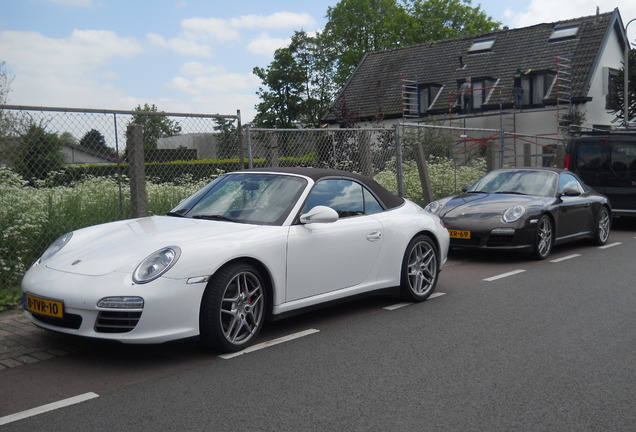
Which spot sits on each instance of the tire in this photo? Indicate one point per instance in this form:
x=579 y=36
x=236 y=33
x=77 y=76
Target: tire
x=420 y=268
x=543 y=238
x=233 y=308
x=603 y=226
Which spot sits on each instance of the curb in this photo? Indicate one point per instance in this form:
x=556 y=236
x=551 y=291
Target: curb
x=23 y=343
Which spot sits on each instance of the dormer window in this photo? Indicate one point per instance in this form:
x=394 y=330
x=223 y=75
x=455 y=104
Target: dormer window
x=564 y=33
x=480 y=46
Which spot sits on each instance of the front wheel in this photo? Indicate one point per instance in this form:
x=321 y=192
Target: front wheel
x=233 y=308
x=543 y=238
x=604 y=223
x=419 y=269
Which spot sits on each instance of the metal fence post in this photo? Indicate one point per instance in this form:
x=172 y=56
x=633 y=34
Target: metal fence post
x=398 y=161
x=527 y=155
x=137 y=170
x=240 y=141
x=248 y=139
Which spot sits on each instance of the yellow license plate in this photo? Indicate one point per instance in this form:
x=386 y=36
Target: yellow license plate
x=459 y=234
x=37 y=305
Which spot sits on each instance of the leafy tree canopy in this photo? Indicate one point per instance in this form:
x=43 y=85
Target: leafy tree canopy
x=228 y=144
x=615 y=99
x=38 y=153
x=154 y=124
x=300 y=83
x=94 y=140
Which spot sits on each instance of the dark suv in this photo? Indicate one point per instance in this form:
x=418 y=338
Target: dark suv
x=607 y=163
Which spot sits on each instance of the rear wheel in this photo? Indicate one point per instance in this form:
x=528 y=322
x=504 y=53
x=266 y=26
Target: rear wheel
x=543 y=238
x=419 y=269
x=233 y=308
x=604 y=223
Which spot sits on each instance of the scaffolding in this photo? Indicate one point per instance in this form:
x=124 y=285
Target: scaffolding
x=563 y=92
x=410 y=99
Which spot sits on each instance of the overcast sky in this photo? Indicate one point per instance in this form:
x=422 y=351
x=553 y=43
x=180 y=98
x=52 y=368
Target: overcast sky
x=190 y=56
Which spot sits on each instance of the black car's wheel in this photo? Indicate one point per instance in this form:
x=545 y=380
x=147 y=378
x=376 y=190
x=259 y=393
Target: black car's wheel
x=604 y=223
x=419 y=269
x=543 y=238
x=233 y=308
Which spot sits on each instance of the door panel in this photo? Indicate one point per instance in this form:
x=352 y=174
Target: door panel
x=323 y=257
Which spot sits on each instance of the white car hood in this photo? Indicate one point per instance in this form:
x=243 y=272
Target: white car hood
x=121 y=246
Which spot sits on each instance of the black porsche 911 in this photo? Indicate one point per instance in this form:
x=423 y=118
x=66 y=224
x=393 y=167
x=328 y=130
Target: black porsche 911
x=529 y=209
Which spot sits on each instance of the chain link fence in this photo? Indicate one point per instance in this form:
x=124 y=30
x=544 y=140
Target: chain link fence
x=64 y=169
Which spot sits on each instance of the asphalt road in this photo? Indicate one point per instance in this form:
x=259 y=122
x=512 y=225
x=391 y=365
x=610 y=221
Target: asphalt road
x=507 y=345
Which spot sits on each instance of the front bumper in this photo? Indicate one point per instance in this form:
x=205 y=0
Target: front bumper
x=494 y=237
x=170 y=310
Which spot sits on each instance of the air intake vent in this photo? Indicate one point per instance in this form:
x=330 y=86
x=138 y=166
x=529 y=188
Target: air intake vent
x=116 y=322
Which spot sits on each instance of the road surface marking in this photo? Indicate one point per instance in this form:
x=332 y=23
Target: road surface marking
x=565 y=258
x=494 y=278
x=401 y=305
x=270 y=343
x=45 y=408
x=607 y=246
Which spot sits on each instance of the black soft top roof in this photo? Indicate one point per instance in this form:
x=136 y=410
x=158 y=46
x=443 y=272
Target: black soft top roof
x=388 y=199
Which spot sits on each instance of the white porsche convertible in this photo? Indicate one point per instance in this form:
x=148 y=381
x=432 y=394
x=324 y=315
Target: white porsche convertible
x=250 y=246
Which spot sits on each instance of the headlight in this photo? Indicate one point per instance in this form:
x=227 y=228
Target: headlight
x=513 y=213
x=55 y=247
x=156 y=264
x=433 y=207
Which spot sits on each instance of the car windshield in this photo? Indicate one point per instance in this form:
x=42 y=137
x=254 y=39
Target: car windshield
x=264 y=199
x=541 y=183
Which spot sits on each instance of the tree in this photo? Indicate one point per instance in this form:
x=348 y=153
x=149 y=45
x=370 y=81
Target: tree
x=94 y=140
x=38 y=153
x=444 y=19
x=297 y=85
x=5 y=88
x=356 y=27
x=228 y=138
x=155 y=125
x=5 y=83
x=616 y=96
x=281 y=99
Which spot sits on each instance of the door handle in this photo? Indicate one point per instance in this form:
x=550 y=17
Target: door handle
x=374 y=235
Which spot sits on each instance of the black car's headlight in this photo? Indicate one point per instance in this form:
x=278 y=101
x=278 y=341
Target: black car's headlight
x=55 y=247
x=433 y=207
x=156 y=264
x=513 y=214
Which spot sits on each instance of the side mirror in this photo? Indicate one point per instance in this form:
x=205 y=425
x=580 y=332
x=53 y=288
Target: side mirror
x=319 y=214
x=570 y=192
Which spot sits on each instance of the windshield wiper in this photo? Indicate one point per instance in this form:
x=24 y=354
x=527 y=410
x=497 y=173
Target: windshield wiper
x=214 y=217
x=175 y=214
x=511 y=193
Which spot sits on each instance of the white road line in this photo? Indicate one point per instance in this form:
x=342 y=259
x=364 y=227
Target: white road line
x=514 y=272
x=270 y=343
x=565 y=258
x=607 y=246
x=397 y=306
x=401 y=305
x=45 y=408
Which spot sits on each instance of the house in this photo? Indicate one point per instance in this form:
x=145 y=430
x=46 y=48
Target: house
x=76 y=154
x=205 y=144
x=566 y=67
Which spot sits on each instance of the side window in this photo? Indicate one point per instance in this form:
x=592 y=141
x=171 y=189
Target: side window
x=568 y=181
x=623 y=160
x=589 y=155
x=346 y=197
x=371 y=205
